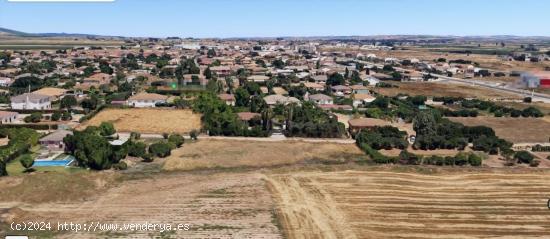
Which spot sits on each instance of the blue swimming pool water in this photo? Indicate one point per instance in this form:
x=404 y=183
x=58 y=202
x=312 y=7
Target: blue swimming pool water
x=54 y=163
x=51 y=163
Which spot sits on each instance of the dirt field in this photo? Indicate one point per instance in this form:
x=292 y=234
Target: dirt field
x=216 y=206
x=444 y=89
x=234 y=154
x=148 y=120
x=515 y=130
x=383 y=204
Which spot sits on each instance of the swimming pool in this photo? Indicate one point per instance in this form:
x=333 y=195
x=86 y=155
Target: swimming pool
x=66 y=161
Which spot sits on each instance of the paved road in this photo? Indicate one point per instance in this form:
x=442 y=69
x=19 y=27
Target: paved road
x=520 y=92
x=523 y=93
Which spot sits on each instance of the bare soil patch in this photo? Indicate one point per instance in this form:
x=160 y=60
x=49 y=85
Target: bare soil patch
x=444 y=89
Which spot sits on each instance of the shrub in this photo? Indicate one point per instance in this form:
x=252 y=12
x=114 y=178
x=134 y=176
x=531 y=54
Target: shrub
x=474 y=160
x=193 y=134
x=33 y=118
x=524 y=157
x=147 y=157
x=120 y=166
x=107 y=129
x=160 y=149
x=56 y=116
x=165 y=135
x=27 y=161
x=534 y=163
x=135 y=135
x=137 y=149
x=66 y=116
x=176 y=139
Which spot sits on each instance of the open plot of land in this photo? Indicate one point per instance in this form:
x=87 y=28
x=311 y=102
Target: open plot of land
x=384 y=204
x=233 y=154
x=515 y=130
x=215 y=206
x=155 y=121
x=444 y=89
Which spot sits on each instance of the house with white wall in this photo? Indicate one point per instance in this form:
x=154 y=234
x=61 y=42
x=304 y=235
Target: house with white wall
x=31 y=101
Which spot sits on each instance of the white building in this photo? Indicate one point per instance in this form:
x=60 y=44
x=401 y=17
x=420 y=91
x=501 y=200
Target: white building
x=321 y=99
x=31 y=101
x=143 y=100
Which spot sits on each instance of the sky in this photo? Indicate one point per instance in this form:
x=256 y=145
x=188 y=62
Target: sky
x=274 y=18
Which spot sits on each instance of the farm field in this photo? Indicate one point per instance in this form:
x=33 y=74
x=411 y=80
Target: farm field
x=215 y=205
x=485 y=60
x=234 y=154
x=154 y=121
x=515 y=130
x=444 y=89
x=386 y=204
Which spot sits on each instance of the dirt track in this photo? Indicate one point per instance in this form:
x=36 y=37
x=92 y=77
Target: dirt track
x=381 y=204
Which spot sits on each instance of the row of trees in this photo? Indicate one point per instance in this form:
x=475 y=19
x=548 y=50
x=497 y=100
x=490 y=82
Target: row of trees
x=499 y=110
x=434 y=132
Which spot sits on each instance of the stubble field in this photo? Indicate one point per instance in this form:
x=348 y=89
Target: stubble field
x=385 y=204
x=515 y=130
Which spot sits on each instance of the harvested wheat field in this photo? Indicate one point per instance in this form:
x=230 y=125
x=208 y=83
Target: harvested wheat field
x=515 y=130
x=215 y=206
x=206 y=154
x=444 y=89
x=153 y=121
x=384 y=204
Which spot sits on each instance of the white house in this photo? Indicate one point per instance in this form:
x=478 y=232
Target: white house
x=321 y=99
x=143 y=100
x=31 y=101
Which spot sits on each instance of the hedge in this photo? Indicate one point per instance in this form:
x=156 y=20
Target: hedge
x=30 y=126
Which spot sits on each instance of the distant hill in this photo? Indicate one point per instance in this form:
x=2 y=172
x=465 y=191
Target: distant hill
x=14 y=33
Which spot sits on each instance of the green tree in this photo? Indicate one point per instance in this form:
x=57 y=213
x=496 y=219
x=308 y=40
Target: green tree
x=92 y=150
x=335 y=79
x=208 y=73
x=68 y=102
x=3 y=171
x=176 y=139
x=33 y=118
x=137 y=149
x=242 y=97
x=107 y=129
x=160 y=149
x=27 y=161
x=524 y=157
x=56 y=116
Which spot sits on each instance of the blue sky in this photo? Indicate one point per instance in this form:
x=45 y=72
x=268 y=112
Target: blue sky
x=269 y=18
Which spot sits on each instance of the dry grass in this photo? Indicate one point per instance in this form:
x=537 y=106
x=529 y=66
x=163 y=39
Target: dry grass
x=383 y=204
x=215 y=206
x=45 y=187
x=516 y=130
x=148 y=120
x=230 y=154
x=444 y=89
